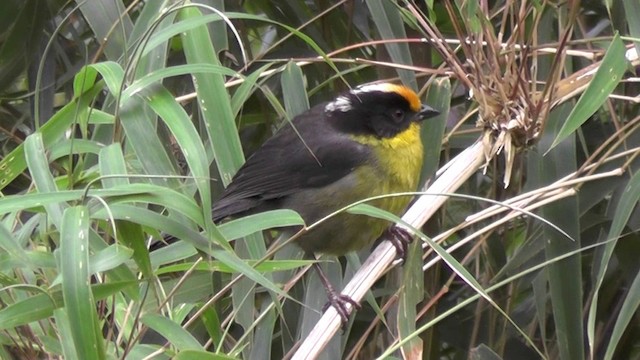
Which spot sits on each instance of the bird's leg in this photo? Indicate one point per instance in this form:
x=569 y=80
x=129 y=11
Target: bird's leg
x=400 y=239
x=337 y=300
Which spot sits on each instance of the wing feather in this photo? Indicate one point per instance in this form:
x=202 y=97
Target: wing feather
x=283 y=165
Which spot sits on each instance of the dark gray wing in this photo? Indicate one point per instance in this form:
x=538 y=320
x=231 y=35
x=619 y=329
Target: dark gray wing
x=284 y=165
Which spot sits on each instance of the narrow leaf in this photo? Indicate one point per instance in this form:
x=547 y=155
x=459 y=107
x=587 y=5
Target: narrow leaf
x=76 y=290
x=172 y=331
x=601 y=86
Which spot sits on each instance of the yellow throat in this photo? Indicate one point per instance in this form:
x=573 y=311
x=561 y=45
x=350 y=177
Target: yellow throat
x=400 y=157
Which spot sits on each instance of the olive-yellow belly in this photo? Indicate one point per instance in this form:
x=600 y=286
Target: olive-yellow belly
x=394 y=167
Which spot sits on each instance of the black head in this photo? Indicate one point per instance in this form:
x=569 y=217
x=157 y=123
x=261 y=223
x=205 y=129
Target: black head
x=382 y=110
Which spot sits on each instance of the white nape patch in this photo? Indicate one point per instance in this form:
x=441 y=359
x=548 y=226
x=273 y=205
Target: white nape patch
x=343 y=103
x=383 y=87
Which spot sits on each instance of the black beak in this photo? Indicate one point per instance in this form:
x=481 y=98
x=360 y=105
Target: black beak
x=426 y=112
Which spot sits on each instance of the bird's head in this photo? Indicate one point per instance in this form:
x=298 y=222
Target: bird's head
x=382 y=110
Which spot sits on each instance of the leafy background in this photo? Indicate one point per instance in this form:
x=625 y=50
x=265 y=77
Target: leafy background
x=123 y=120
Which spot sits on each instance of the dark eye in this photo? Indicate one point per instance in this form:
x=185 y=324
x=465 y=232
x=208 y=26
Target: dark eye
x=398 y=115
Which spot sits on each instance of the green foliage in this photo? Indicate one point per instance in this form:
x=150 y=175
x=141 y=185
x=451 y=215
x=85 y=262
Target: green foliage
x=122 y=121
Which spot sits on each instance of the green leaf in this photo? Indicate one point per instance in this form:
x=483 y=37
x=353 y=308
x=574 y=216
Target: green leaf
x=210 y=266
x=294 y=92
x=129 y=193
x=112 y=166
x=22 y=39
x=565 y=292
x=201 y=355
x=68 y=147
x=631 y=9
x=156 y=221
x=628 y=312
x=214 y=101
x=41 y=306
x=601 y=86
x=171 y=331
x=112 y=74
x=389 y=23
x=14 y=163
x=160 y=74
x=187 y=137
x=245 y=89
x=10 y=245
x=247 y=225
x=33 y=308
x=153 y=18
x=42 y=177
x=101 y=15
x=136 y=120
x=628 y=202
x=452 y=263
x=438 y=97
x=108 y=258
x=211 y=322
x=84 y=80
x=65 y=336
x=130 y=234
x=76 y=290
x=411 y=294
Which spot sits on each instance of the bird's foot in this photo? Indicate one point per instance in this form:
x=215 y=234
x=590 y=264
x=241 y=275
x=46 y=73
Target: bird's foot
x=339 y=302
x=400 y=238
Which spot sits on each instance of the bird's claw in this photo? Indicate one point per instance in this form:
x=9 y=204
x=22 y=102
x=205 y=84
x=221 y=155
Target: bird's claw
x=339 y=302
x=400 y=239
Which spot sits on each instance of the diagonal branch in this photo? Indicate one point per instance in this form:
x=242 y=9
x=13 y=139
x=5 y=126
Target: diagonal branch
x=458 y=171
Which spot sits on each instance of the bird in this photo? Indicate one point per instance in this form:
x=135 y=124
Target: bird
x=364 y=143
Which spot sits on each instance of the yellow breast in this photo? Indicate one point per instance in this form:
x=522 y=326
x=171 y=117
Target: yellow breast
x=399 y=159
x=397 y=166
